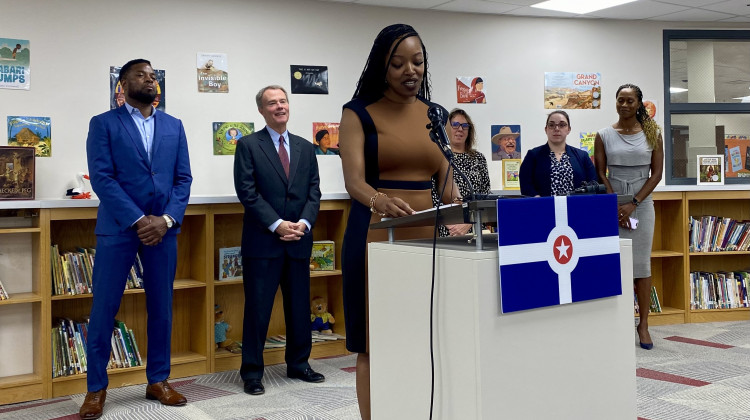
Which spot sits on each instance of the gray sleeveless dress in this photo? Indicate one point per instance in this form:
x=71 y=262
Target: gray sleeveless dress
x=629 y=164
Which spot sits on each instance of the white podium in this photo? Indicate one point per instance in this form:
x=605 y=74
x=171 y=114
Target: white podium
x=574 y=361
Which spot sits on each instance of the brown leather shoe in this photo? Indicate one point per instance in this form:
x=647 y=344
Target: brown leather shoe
x=166 y=395
x=93 y=405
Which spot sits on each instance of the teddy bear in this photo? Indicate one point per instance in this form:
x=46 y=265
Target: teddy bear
x=320 y=317
x=221 y=328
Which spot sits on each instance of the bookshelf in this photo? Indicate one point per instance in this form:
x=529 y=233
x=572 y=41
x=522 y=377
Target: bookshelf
x=734 y=204
x=29 y=228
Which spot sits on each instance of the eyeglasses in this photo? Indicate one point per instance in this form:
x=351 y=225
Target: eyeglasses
x=562 y=126
x=456 y=125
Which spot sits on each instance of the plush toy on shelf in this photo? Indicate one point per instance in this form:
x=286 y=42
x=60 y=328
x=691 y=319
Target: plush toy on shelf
x=221 y=328
x=320 y=317
x=79 y=191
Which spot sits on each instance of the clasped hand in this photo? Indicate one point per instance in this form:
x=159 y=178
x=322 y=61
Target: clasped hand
x=289 y=231
x=623 y=214
x=151 y=229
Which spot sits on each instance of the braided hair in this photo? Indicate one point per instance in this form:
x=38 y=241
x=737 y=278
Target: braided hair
x=372 y=83
x=650 y=128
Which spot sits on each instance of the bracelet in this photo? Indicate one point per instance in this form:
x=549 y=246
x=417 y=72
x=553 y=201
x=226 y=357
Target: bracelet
x=636 y=202
x=458 y=200
x=372 y=203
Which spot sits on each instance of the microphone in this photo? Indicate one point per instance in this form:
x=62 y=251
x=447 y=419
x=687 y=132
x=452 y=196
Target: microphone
x=589 y=187
x=437 y=117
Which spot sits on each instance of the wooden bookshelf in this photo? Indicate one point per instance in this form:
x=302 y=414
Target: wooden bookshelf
x=205 y=229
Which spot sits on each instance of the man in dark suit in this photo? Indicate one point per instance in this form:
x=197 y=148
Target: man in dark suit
x=276 y=178
x=139 y=167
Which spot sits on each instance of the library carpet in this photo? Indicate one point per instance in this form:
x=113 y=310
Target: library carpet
x=694 y=372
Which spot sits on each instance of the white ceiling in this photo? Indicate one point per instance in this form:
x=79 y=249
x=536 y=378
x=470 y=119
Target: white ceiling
x=662 y=10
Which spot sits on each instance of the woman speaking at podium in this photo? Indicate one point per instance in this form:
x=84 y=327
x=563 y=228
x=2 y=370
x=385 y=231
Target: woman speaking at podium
x=555 y=168
x=388 y=161
x=632 y=151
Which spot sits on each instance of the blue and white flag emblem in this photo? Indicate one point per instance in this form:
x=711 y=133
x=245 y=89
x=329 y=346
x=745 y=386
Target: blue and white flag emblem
x=557 y=250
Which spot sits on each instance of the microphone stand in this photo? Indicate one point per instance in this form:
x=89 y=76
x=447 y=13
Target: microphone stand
x=439 y=137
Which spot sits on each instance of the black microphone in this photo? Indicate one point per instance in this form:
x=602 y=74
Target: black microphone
x=437 y=130
x=589 y=187
x=437 y=118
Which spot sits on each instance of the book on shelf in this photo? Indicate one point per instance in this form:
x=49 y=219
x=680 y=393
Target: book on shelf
x=720 y=290
x=69 y=340
x=717 y=234
x=73 y=272
x=323 y=257
x=3 y=292
x=318 y=336
x=230 y=263
x=276 y=341
x=655 y=305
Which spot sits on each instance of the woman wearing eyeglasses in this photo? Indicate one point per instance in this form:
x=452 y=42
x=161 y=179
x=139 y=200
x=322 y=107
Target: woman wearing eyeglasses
x=470 y=161
x=555 y=168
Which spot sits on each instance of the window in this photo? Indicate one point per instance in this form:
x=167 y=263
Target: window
x=707 y=102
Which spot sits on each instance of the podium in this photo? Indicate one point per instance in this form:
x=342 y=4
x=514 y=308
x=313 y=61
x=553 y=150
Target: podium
x=564 y=362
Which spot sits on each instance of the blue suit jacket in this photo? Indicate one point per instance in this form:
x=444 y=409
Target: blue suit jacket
x=535 y=170
x=267 y=194
x=127 y=183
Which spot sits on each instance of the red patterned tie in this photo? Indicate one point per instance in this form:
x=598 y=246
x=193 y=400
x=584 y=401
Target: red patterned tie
x=283 y=156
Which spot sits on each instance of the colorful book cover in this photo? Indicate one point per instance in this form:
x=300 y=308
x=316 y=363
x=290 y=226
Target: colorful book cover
x=230 y=263
x=587 y=142
x=17 y=173
x=506 y=141
x=470 y=90
x=33 y=132
x=309 y=79
x=3 y=292
x=326 y=138
x=213 y=73
x=511 y=169
x=651 y=107
x=737 y=155
x=15 y=60
x=226 y=135
x=117 y=96
x=570 y=90
x=323 y=257
x=710 y=169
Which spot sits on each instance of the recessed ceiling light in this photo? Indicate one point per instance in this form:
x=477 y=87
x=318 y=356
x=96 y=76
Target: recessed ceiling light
x=580 y=7
x=677 y=90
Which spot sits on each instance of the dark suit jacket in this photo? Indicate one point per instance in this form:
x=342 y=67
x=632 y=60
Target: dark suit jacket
x=267 y=194
x=127 y=183
x=535 y=170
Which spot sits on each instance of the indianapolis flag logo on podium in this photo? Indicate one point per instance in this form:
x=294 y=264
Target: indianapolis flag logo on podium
x=567 y=250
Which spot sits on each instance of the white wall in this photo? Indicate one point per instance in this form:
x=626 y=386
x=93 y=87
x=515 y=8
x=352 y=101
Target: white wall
x=73 y=43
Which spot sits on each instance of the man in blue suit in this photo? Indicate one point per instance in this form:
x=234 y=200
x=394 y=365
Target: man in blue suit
x=276 y=179
x=139 y=167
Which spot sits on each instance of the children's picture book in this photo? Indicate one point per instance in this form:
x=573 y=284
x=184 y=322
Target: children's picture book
x=323 y=257
x=737 y=155
x=309 y=79
x=470 y=90
x=326 y=138
x=230 y=264
x=570 y=90
x=710 y=169
x=587 y=142
x=511 y=169
x=117 y=95
x=213 y=73
x=226 y=135
x=15 y=60
x=17 y=173
x=33 y=132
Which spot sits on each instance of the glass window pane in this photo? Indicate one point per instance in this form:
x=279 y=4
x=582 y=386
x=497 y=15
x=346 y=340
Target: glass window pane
x=707 y=71
x=711 y=134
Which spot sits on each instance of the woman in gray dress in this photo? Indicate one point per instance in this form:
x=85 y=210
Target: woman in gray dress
x=632 y=150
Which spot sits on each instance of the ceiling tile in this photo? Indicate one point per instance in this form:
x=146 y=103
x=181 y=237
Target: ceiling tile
x=693 y=15
x=735 y=7
x=533 y=11
x=740 y=19
x=692 y=3
x=476 y=6
x=409 y=4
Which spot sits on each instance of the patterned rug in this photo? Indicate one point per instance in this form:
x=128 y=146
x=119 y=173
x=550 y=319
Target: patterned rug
x=694 y=372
